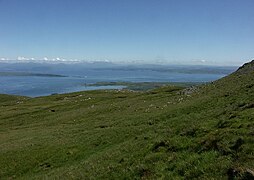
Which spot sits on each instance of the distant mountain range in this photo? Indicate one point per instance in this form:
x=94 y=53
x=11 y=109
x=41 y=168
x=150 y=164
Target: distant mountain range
x=79 y=68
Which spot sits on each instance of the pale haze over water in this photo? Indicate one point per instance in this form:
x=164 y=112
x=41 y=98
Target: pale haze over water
x=31 y=79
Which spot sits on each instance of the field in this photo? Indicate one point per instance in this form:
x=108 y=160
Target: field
x=171 y=132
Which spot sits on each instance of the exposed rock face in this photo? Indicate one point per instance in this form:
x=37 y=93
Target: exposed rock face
x=189 y=90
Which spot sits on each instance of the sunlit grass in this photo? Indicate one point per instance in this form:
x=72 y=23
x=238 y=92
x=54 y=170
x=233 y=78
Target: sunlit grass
x=163 y=133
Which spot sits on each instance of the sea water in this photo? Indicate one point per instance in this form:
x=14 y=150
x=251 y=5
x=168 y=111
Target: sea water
x=35 y=86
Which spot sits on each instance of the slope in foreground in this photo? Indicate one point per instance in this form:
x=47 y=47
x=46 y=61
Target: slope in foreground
x=169 y=133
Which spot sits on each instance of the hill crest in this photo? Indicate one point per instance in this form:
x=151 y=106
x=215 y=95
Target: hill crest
x=246 y=68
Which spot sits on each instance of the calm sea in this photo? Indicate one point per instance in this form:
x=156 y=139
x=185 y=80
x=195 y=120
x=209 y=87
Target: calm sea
x=77 y=79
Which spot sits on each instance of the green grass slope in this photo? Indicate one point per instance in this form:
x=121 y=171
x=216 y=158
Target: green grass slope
x=204 y=132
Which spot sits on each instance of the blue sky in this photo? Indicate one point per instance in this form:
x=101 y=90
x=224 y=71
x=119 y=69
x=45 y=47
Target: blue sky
x=219 y=32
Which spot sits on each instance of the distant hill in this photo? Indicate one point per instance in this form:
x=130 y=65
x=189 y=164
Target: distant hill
x=82 y=67
x=29 y=74
x=202 y=132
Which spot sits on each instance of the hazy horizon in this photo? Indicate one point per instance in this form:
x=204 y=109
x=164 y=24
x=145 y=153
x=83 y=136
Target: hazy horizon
x=123 y=63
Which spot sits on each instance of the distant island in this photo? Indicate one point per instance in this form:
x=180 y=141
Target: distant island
x=29 y=74
x=144 y=86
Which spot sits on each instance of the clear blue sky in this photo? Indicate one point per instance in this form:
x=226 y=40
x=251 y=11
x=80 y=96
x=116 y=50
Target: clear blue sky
x=167 y=31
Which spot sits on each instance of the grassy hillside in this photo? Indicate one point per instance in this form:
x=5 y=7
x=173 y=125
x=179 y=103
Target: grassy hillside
x=204 y=132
